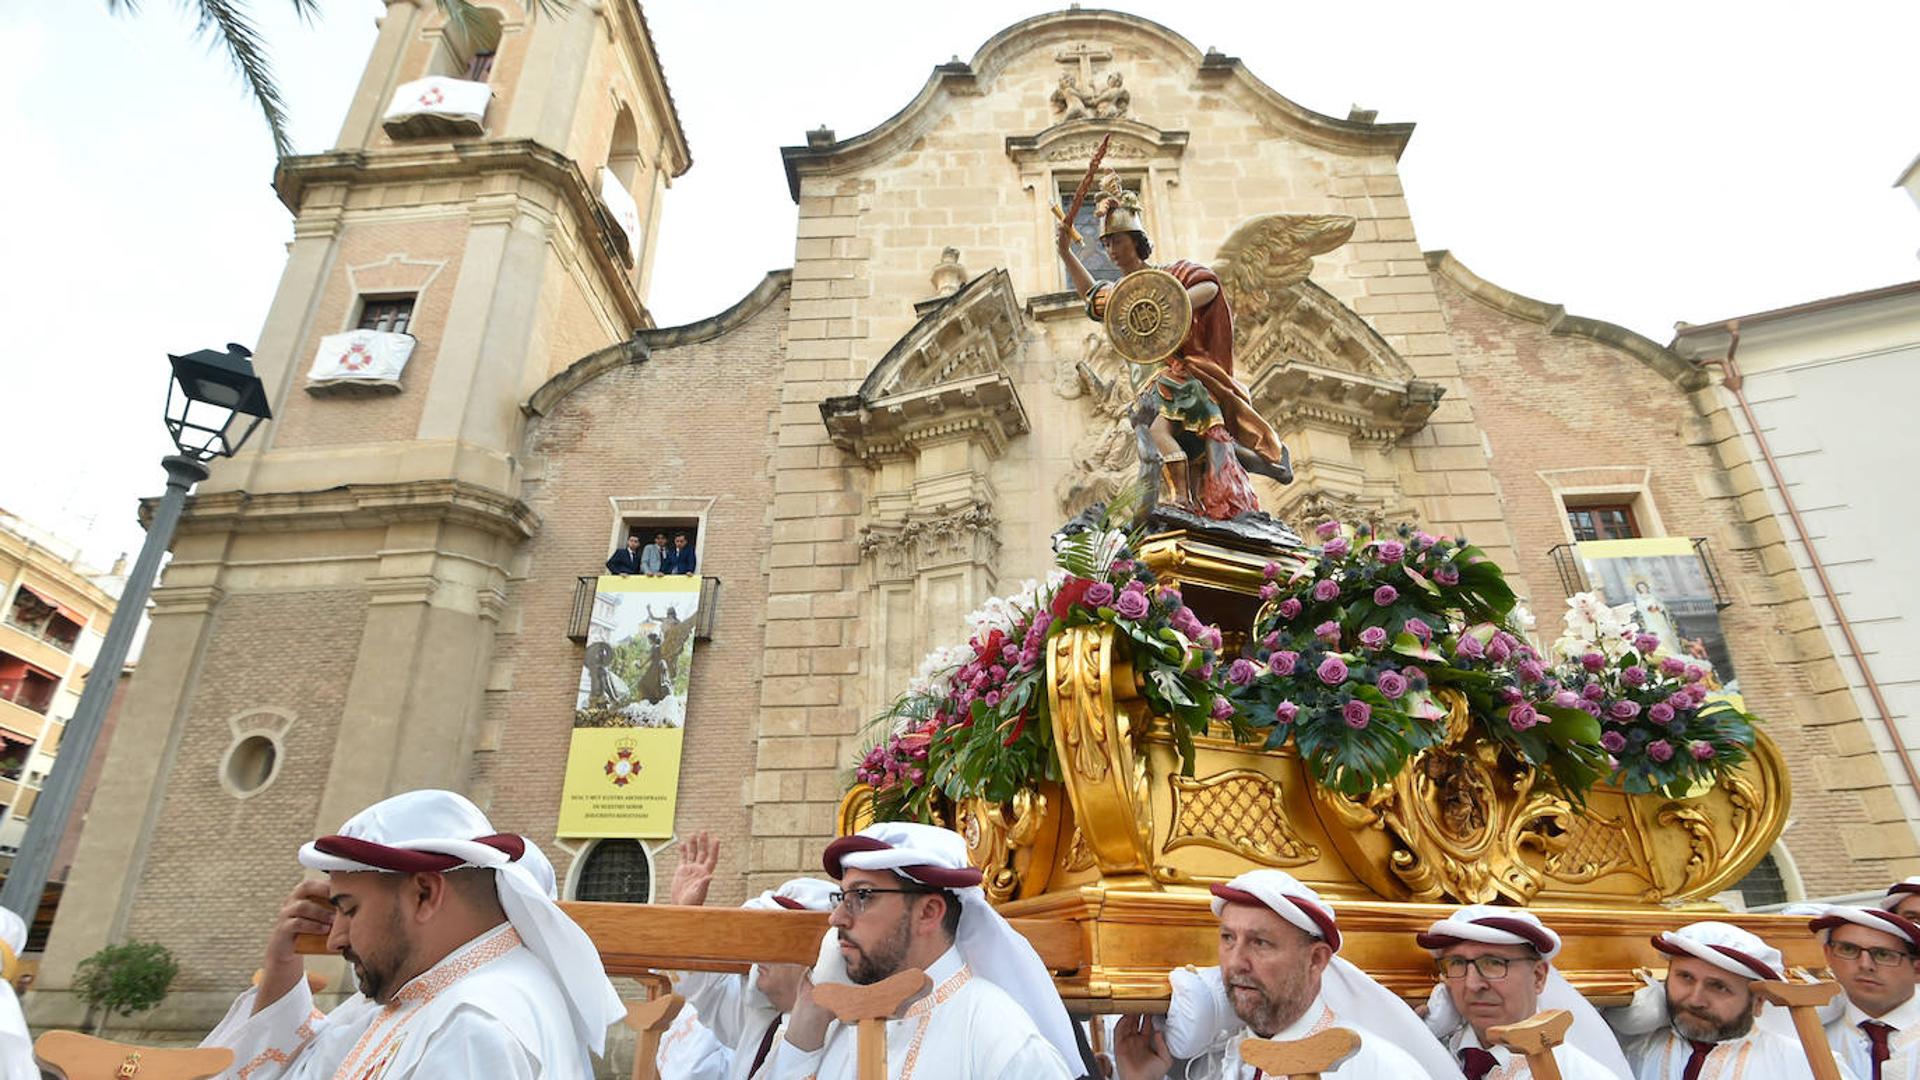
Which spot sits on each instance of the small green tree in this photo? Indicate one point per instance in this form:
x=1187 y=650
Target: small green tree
x=126 y=978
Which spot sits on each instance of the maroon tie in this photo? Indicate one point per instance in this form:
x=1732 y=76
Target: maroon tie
x=766 y=1044
x=1878 y=1034
x=1476 y=1063
x=1698 y=1059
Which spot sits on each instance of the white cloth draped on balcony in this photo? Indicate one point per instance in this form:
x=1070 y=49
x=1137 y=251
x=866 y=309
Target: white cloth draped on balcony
x=361 y=354
x=624 y=210
x=437 y=97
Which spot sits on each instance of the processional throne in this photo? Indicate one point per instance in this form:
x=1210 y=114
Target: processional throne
x=1120 y=851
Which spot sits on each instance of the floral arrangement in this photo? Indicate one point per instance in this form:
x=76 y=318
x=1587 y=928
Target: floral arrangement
x=1661 y=727
x=974 y=721
x=1356 y=641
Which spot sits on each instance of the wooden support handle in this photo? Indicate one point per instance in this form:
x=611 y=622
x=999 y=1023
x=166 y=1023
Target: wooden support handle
x=70 y=1055
x=315 y=981
x=1301 y=1059
x=651 y=1019
x=869 y=1008
x=1802 y=1001
x=1536 y=1037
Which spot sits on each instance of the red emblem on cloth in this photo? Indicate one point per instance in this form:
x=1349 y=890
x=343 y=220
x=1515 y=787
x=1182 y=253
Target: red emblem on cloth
x=357 y=357
x=621 y=767
x=432 y=96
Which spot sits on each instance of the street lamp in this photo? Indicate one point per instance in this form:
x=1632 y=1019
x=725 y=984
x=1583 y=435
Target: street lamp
x=214 y=403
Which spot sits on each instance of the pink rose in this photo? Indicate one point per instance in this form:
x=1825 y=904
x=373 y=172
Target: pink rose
x=1624 y=710
x=1593 y=661
x=1446 y=575
x=1695 y=673
x=1270 y=571
x=1326 y=529
x=1531 y=671
x=1392 y=551
x=1099 y=594
x=1522 y=716
x=1660 y=713
x=1283 y=662
x=1392 y=684
x=1672 y=667
x=1384 y=595
x=1131 y=605
x=1328 y=632
x=1660 y=750
x=1593 y=691
x=1325 y=590
x=1419 y=629
x=1422 y=540
x=1269 y=590
x=1289 y=608
x=1373 y=637
x=1285 y=712
x=1332 y=671
x=1336 y=547
x=1702 y=750
x=1357 y=714
x=1567 y=699
x=1241 y=672
x=1469 y=647
x=1613 y=742
x=1222 y=708
x=1645 y=643
x=1634 y=675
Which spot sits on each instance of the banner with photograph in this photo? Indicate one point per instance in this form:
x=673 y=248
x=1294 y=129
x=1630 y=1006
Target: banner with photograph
x=1661 y=577
x=623 y=765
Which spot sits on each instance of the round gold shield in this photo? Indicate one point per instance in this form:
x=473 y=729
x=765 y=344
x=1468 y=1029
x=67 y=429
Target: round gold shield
x=1148 y=315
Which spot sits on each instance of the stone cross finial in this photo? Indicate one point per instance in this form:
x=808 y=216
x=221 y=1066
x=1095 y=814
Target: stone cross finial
x=1083 y=55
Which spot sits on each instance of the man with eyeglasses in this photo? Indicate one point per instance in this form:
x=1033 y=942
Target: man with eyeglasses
x=1280 y=977
x=910 y=899
x=1496 y=967
x=1704 y=1022
x=1903 y=899
x=1875 y=956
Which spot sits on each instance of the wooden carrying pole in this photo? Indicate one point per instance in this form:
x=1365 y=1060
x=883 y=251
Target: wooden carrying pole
x=1802 y=1001
x=1536 y=1037
x=70 y=1055
x=651 y=1020
x=1301 y=1059
x=869 y=1008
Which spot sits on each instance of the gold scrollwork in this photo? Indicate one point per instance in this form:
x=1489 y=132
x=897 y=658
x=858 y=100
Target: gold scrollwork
x=1238 y=811
x=1080 y=678
x=1703 y=849
x=994 y=836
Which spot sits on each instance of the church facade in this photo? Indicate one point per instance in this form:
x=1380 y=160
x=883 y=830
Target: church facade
x=863 y=449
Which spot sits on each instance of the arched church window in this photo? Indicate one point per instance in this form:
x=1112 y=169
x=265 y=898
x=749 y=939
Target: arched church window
x=1087 y=222
x=467 y=49
x=616 y=871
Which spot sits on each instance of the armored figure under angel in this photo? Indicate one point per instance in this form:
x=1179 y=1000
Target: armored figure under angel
x=1197 y=430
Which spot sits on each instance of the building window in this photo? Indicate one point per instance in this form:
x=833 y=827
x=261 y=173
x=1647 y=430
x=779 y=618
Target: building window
x=467 y=48
x=1611 y=521
x=616 y=871
x=480 y=66
x=387 y=314
x=251 y=764
x=25 y=685
x=1087 y=221
x=44 y=618
x=1764 y=884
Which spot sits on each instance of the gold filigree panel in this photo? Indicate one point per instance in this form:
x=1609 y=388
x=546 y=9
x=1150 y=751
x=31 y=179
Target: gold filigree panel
x=1240 y=812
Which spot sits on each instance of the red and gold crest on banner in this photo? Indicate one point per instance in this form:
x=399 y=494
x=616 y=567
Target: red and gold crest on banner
x=621 y=767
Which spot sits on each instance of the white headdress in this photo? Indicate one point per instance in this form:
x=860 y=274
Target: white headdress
x=1899 y=891
x=438 y=831
x=1348 y=991
x=995 y=951
x=1517 y=926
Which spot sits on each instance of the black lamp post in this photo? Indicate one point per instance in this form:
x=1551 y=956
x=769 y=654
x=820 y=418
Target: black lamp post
x=214 y=403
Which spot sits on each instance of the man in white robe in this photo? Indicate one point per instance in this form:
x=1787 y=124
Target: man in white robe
x=1703 y=1021
x=466 y=966
x=910 y=899
x=1875 y=957
x=1903 y=899
x=746 y=1013
x=1496 y=968
x=16 y=1042
x=689 y=1051
x=1280 y=977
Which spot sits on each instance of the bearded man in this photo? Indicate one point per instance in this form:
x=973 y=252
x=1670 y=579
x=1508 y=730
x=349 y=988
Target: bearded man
x=1280 y=978
x=466 y=966
x=1703 y=1021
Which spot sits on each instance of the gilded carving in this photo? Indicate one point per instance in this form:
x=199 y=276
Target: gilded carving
x=1079 y=678
x=995 y=833
x=1237 y=811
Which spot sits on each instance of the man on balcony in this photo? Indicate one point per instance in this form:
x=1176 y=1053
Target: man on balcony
x=1496 y=968
x=1703 y=1021
x=627 y=560
x=679 y=559
x=1875 y=956
x=1281 y=978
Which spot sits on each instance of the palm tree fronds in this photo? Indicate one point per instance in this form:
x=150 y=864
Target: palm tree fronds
x=226 y=22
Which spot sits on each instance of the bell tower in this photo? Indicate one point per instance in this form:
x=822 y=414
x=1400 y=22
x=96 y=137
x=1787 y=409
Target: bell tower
x=325 y=633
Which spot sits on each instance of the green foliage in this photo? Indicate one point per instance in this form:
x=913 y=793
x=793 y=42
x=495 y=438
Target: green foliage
x=127 y=978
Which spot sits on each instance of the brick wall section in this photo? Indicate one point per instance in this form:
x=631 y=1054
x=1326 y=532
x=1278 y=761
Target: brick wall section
x=188 y=901
x=693 y=421
x=1551 y=401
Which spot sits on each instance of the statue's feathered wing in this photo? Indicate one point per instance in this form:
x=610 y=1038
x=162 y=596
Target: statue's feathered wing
x=1274 y=251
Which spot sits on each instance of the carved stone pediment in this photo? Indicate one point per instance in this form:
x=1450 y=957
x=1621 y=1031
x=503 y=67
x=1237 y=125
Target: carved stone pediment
x=1308 y=357
x=1072 y=142
x=950 y=374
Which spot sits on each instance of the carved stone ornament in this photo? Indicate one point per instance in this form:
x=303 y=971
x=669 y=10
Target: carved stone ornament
x=948 y=275
x=902 y=548
x=1084 y=93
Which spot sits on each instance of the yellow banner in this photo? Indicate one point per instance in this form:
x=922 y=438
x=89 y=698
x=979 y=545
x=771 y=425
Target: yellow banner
x=621 y=782
x=623 y=764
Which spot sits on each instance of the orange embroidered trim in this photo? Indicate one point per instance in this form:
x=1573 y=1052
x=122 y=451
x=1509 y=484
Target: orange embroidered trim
x=1717 y=1063
x=265 y=1057
x=395 y=1015
x=924 y=1010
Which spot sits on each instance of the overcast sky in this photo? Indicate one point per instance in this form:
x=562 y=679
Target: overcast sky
x=1637 y=162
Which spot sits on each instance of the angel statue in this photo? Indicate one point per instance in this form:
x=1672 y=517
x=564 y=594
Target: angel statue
x=1195 y=426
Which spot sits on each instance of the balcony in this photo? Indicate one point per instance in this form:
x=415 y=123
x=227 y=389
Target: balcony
x=20 y=724
x=1573 y=572
x=359 y=362
x=438 y=107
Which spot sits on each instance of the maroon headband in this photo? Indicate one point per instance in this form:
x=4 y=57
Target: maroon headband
x=1319 y=916
x=1760 y=968
x=1520 y=928
x=938 y=877
x=408 y=861
x=1903 y=887
x=789 y=903
x=1896 y=924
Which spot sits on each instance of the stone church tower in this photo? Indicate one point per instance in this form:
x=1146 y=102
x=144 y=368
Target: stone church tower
x=325 y=633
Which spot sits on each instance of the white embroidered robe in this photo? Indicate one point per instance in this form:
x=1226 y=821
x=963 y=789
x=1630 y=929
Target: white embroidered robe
x=1761 y=1054
x=688 y=1051
x=966 y=1029
x=1376 y=1058
x=16 y=1042
x=1575 y=1063
x=739 y=1016
x=1850 y=1044
x=490 y=1008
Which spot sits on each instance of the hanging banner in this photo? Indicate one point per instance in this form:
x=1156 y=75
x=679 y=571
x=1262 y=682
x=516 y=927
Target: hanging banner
x=1661 y=577
x=623 y=765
